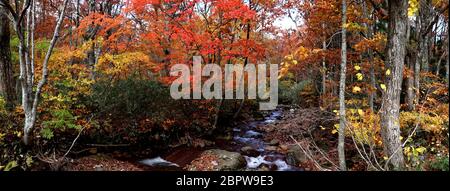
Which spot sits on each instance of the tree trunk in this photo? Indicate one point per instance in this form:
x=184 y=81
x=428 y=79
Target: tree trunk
x=370 y=56
x=390 y=109
x=324 y=66
x=410 y=78
x=7 y=83
x=447 y=66
x=443 y=56
x=342 y=120
x=425 y=16
x=410 y=94
x=30 y=92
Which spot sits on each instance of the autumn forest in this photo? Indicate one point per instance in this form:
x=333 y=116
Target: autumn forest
x=88 y=85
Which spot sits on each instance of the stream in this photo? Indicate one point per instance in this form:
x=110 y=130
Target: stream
x=244 y=135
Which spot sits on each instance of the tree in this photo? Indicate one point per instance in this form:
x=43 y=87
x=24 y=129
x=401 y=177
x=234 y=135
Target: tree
x=342 y=122
x=7 y=83
x=30 y=92
x=369 y=35
x=395 y=57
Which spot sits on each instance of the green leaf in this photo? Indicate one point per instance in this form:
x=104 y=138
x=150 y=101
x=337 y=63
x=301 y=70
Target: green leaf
x=29 y=160
x=10 y=165
x=47 y=133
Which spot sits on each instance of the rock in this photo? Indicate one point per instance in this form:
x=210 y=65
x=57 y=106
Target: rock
x=269 y=128
x=271 y=148
x=98 y=167
x=245 y=116
x=270 y=158
x=267 y=167
x=263 y=168
x=295 y=155
x=284 y=147
x=274 y=142
x=227 y=137
x=249 y=151
x=224 y=161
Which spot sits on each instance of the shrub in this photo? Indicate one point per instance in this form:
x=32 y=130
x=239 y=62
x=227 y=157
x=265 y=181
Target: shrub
x=292 y=92
x=62 y=119
x=131 y=97
x=136 y=110
x=2 y=107
x=440 y=163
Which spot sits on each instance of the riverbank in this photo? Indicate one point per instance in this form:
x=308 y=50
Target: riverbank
x=283 y=140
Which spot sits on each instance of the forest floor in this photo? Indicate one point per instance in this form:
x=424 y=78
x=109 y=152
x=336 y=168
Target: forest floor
x=287 y=139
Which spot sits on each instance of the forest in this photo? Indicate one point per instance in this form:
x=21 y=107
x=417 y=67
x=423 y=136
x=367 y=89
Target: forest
x=359 y=85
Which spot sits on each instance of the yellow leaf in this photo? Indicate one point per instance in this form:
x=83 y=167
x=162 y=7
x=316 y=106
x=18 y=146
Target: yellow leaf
x=383 y=87
x=359 y=76
x=421 y=150
x=336 y=126
x=360 y=112
x=357 y=68
x=385 y=158
x=388 y=72
x=334 y=131
x=356 y=89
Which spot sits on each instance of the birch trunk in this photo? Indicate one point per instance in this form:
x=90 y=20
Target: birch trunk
x=342 y=120
x=30 y=98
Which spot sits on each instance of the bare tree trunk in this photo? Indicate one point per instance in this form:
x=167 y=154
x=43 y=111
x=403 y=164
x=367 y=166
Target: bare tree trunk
x=370 y=56
x=438 y=66
x=324 y=70
x=444 y=54
x=410 y=94
x=410 y=78
x=7 y=83
x=342 y=120
x=416 y=64
x=390 y=109
x=425 y=16
x=91 y=36
x=447 y=66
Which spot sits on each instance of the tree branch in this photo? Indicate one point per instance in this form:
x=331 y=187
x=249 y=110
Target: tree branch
x=379 y=9
x=6 y=4
x=435 y=20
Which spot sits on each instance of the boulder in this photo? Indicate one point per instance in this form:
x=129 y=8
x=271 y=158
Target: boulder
x=295 y=155
x=271 y=148
x=274 y=142
x=284 y=147
x=249 y=151
x=221 y=160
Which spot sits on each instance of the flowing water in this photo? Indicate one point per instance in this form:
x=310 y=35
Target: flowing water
x=243 y=135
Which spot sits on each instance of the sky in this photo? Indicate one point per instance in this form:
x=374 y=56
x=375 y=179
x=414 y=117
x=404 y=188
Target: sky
x=285 y=23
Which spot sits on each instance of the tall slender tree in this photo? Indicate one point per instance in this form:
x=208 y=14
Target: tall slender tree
x=7 y=83
x=30 y=92
x=342 y=120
